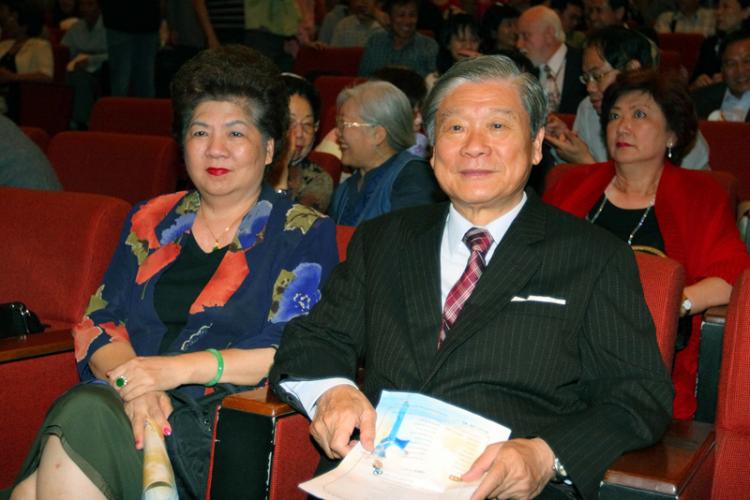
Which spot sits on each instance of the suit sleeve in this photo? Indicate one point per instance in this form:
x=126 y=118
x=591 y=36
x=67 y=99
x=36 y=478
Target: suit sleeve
x=623 y=381
x=414 y=186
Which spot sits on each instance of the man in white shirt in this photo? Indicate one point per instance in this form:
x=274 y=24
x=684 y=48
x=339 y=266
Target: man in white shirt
x=495 y=302
x=690 y=17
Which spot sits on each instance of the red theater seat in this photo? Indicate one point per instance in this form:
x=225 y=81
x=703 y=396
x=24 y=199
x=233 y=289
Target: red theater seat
x=132 y=115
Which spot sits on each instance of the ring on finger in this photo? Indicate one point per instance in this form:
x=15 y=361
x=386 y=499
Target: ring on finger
x=121 y=381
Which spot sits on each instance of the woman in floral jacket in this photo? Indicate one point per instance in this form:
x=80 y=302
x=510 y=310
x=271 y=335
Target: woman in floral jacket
x=198 y=290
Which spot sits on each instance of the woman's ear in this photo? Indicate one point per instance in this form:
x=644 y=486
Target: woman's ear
x=633 y=65
x=379 y=134
x=269 y=150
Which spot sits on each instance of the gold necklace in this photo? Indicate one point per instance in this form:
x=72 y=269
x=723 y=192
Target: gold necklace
x=221 y=235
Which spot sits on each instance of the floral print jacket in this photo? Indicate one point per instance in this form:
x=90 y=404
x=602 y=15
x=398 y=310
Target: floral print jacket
x=272 y=272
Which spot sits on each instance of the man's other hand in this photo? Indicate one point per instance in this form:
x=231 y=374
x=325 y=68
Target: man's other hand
x=338 y=412
x=519 y=469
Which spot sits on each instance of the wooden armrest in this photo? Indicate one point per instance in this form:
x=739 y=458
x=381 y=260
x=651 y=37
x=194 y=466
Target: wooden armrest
x=259 y=401
x=56 y=340
x=717 y=315
x=667 y=467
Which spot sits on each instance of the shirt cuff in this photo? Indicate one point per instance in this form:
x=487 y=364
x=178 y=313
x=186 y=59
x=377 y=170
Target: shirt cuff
x=307 y=392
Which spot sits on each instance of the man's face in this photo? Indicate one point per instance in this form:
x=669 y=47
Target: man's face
x=687 y=6
x=735 y=66
x=571 y=17
x=535 y=39
x=483 y=148
x=729 y=15
x=89 y=10
x=404 y=20
x=360 y=8
x=601 y=14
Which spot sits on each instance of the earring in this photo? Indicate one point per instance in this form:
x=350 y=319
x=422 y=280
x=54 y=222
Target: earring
x=669 y=151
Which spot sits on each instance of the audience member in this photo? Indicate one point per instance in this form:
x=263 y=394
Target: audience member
x=731 y=16
x=499 y=29
x=400 y=45
x=603 y=13
x=729 y=99
x=65 y=14
x=22 y=163
x=277 y=28
x=689 y=17
x=186 y=38
x=87 y=42
x=24 y=56
x=459 y=39
x=571 y=17
x=222 y=21
x=356 y=28
x=560 y=376
x=645 y=200
x=197 y=293
x=542 y=39
x=132 y=41
x=331 y=19
x=375 y=130
x=607 y=53
x=294 y=174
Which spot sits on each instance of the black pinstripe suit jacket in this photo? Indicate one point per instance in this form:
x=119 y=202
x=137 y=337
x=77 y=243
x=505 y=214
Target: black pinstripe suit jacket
x=585 y=376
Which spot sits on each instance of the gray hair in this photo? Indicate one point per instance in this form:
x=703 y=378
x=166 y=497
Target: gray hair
x=483 y=69
x=382 y=103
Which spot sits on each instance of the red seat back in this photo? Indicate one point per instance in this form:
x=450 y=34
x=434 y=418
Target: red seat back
x=328 y=61
x=128 y=166
x=731 y=473
x=132 y=115
x=729 y=150
x=688 y=45
x=329 y=88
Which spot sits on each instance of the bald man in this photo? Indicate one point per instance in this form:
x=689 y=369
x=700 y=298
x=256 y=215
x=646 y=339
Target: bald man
x=542 y=39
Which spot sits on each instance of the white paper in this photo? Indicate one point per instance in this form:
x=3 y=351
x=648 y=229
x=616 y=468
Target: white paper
x=422 y=447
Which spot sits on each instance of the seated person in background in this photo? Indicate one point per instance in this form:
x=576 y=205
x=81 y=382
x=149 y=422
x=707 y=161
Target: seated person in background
x=356 y=28
x=499 y=28
x=331 y=19
x=87 y=42
x=571 y=15
x=645 y=200
x=65 y=13
x=578 y=382
x=23 y=55
x=607 y=53
x=459 y=39
x=22 y=163
x=400 y=45
x=731 y=16
x=689 y=17
x=603 y=13
x=374 y=125
x=197 y=293
x=542 y=39
x=294 y=174
x=729 y=100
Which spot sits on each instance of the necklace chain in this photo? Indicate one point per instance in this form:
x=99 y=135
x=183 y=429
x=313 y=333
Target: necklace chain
x=226 y=229
x=637 y=226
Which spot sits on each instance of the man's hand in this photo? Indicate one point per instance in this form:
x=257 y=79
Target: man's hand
x=570 y=147
x=339 y=411
x=519 y=468
x=155 y=405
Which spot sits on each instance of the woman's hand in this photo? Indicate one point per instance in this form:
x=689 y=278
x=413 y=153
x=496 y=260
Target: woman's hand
x=145 y=374
x=154 y=405
x=570 y=147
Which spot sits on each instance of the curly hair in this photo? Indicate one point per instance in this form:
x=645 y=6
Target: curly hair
x=238 y=74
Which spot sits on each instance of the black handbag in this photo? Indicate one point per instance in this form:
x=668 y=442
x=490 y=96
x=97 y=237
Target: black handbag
x=16 y=319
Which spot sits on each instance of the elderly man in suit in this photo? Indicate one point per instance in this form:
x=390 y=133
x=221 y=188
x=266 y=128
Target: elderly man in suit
x=494 y=302
x=729 y=100
x=542 y=39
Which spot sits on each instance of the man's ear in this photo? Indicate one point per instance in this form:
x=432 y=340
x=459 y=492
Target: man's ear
x=633 y=65
x=536 y=147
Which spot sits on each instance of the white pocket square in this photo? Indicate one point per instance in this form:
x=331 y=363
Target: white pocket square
x=539 y=298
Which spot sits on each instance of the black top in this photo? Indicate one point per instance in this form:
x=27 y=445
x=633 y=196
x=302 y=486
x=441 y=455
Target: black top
x=621 y=222
x=181 y=284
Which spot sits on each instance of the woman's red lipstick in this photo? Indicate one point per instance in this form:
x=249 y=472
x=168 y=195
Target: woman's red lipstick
x=217 y=171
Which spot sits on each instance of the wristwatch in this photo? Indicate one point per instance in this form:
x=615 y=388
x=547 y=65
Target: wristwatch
x=559 y=470
x=685 y=306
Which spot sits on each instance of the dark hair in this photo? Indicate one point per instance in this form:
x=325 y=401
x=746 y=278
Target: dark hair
x=524 y=63
x=619 y=45
x=734 y=37
x=233 y=73
x=297 y=85
x=29 y=14
x=407 y=80
x=560 y=5
x=454 y=25
x=389 y=4
x=669 y=93
x=489 y=23
x=58 y=14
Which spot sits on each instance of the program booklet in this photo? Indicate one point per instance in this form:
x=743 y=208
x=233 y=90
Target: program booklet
x=422 y=447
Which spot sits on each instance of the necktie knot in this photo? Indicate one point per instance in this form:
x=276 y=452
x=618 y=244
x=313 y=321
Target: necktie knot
x=478 y=240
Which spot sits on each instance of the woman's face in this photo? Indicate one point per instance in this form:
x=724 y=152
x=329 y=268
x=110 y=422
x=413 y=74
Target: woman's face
x=637 y=131
x=600 y=76
x=302 y=127
x=225 y=153
x=358 y=143
x=507 y=33
x=463 y=43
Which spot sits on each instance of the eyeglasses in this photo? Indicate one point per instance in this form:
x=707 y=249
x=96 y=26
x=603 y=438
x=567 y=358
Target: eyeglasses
x=585 y=78
x=342 y=124
x=308 y=128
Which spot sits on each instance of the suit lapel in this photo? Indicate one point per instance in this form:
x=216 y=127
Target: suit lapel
x=513 y=264
x=420 y=281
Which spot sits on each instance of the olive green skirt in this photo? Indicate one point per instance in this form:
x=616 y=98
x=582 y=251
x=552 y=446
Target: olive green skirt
x=95 y=432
